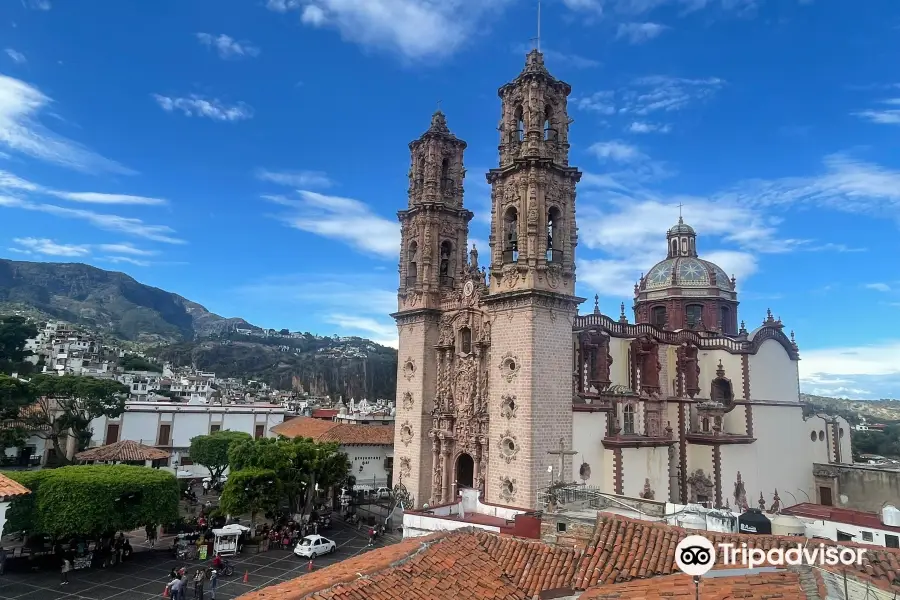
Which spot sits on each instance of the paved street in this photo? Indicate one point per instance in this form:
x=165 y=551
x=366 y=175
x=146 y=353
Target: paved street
x=145 y=576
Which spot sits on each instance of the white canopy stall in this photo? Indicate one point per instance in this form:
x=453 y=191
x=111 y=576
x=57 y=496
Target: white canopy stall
x=226 y=542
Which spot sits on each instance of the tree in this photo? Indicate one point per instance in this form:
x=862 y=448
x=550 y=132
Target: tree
x=251 y=491
x=15 y=395
x=68 y=404
x=14 y=332
x=92 y=500
x=211 y=450
x=133 y=362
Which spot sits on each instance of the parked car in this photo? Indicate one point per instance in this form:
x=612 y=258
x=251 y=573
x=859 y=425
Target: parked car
x=383 y=492
x=314 y=545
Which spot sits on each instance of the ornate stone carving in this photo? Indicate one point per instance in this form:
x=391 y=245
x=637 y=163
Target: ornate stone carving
x=445 y=337
x=688 y=370
x=596 y=355
x=408 y=402
x=647 y=493
x=406 y=433
x=509 y=447
x=740 y=494
x=510 y=275
x=645 y=357
x=507 y=489
x=464 y=382
x=405 y=466
x=508 y=406
x=412 y=299
x=699 y=484
x=409 y=369
x=584 y=472
x=721 y=390
x=403 y=497
x=437 y=477
x=553 y=276
x=509 y=366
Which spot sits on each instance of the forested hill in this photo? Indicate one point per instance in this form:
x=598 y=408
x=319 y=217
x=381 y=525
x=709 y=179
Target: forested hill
x=885 y=410
x=351 y=367
x=106 y=301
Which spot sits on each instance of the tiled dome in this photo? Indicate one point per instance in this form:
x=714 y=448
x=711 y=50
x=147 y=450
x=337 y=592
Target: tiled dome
x=688 y=272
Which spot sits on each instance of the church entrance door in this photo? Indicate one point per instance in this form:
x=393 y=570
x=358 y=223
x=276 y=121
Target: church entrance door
x=465 y=471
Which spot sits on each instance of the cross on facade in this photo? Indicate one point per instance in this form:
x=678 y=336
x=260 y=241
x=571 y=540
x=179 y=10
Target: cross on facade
x=562 y=453
x=439 y=104
x=680 y=206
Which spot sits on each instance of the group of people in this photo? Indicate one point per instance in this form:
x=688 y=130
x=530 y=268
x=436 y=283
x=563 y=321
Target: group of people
x=288 y=534
x=180 y=580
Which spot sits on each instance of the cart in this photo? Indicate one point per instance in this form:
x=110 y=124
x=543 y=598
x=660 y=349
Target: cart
x=226 y=542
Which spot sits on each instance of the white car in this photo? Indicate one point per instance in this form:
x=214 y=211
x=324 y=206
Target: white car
x=314 y=545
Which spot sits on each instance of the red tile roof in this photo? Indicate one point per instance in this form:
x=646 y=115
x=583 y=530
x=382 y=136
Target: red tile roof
x=11 y=489
x=838 y=515
x=124 y=451
x=324 y=413
x=329 y=431
x=785 y=585
x=447 y=566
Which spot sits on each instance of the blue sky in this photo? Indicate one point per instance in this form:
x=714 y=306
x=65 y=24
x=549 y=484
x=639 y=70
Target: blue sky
x=252 y=155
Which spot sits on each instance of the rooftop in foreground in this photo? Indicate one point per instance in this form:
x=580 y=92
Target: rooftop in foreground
x=617 y=563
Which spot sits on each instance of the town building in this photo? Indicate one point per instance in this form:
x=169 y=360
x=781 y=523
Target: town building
x=369 y=447
x=505 y=388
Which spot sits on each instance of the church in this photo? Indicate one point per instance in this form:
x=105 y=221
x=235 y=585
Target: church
x=505 y=387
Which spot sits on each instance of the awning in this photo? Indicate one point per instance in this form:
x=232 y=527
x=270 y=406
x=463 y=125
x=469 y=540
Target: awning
x=754 y=522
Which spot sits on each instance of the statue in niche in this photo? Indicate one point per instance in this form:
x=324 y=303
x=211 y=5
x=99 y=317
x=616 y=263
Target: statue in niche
x=689 y=369
x=646 y=362
x=740 y=494
x=595 y=352
x=721 y=390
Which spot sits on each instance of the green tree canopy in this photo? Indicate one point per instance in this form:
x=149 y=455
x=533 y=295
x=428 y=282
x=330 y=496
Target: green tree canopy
x=14 y=332
x=251 y=491
x=92 y=500
x=211 y=450
x=71 y=403
x=15 y=395
x=133 y=362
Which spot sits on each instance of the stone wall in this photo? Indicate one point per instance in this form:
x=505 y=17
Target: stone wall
x=866 y=488
x=561 y=530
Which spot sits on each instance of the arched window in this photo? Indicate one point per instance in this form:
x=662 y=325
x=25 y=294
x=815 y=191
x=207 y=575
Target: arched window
x=693 y=315
x=445 y=174
x=412 y=271
x=674 y=247
x=628 y=420
x=693 y=247
x=554 y=247
x=704 y=423
x=465 y=340
x=446 y=269
x=658 y=316
x=511 y=235
x=549 y=131
x=520 y=125
x=725 y=319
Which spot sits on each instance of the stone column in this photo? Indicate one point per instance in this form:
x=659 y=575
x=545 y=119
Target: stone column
x=477 y=467
x=445 y=487
x=435 y=458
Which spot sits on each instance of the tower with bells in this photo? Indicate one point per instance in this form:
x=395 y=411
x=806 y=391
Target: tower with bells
x=532 y=285
x=433 y=262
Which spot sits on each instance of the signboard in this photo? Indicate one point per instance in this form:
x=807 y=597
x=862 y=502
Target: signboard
x=203 y=550
x=83 y=562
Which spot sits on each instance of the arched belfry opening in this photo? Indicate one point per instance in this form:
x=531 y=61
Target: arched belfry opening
x=554 y=246
x=446 y=267
x=412 y=267
x=465 y=471
x=549 y=131
x=445 y=174
x=520 y=125
x=511 y=235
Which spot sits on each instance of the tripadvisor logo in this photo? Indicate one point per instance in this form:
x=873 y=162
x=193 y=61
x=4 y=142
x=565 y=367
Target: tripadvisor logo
x=696 y=555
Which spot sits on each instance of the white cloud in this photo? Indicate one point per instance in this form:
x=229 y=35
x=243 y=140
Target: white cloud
x=644 y=127
x=51 y=248
x=416 y=29
x=22 y=132
x=297 y=179
x=37 y=4
x=563 y=58
x=17 y=57
x=648 y=95
x=378 y=331
x=636 y=166
x=883 y=116
x=344 y=219
x=210 y=108
x=869 y=371
x=127 y=260
x=638 y=33
x=226 y=46
x=617 y=152
x=9 y=181
x=878 y=287
x=594 y=6
x=126 y=248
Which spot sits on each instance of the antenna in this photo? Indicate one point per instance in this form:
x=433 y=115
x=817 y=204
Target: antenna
x=539 y=27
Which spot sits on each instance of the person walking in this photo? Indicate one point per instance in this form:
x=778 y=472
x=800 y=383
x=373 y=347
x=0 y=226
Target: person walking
x=213 y=583
x=175 y=591
x=199 y=580
x=66 y=567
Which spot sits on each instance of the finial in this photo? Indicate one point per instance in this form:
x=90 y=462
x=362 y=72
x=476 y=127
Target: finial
x=680 y=220
x=439 y=123
x=769 y=314
x=720 y=369
x=622 y=317
x=596 y=304
x=733 y=280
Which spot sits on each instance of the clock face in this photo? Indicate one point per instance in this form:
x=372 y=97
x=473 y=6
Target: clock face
x=468 y=288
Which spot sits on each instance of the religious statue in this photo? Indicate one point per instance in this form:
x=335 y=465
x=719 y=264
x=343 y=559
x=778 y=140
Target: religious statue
x=776 y=503
x=473 y=259
x=464 y=384
x=689 y=370
x=595 y=350
x=645 y=356
x=740 y=494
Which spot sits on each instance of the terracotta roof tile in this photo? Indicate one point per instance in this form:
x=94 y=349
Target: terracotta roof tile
x=329 y=431
x=783 y=584
x=11 y=489
x=124 y=451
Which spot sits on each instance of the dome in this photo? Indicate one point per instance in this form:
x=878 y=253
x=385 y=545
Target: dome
x=687 y=272
x=681 y=228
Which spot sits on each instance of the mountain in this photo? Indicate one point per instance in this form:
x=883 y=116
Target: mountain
x=322 y=366
x=884 y=411
x=107 y=301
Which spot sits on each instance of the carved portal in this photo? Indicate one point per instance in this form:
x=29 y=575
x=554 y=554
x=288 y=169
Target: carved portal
x=688 y=370
x=508 y=406
x=700 y=487
x=645 y=365
x=408 y=402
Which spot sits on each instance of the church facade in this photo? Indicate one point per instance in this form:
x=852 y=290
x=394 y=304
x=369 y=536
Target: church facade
x=503 y=386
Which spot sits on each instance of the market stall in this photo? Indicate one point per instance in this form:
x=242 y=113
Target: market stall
x=226 y=542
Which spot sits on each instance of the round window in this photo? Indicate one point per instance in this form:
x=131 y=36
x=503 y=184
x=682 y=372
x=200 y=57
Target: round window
x=821 y=436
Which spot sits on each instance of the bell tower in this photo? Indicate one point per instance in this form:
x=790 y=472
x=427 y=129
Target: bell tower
x=433 y=259
x=533 y=238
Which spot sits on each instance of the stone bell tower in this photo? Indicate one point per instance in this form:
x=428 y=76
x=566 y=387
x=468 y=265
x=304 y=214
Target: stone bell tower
x=434 y=232
x=532 y=285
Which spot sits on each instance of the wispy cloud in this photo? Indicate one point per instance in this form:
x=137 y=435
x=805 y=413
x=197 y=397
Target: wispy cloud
x=126 y=260
x=48 y=247
x=553 y=56
x=22 y=132
x=626 y=164
x=17 y=57
x=415 y=29
x=638 y=33
x=14 y=183
x=343 y=219
x=649 y=95
x=226 y=46
x=870 y=371
x=644 y=127
x=37 y=4
x=887 y=114
x=297 y=179
x=878 y=287
x=210 y=108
